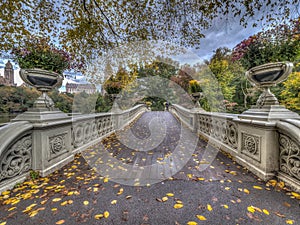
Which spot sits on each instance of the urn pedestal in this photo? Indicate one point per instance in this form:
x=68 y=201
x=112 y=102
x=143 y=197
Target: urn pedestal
x=267 y=107
x=51 y=137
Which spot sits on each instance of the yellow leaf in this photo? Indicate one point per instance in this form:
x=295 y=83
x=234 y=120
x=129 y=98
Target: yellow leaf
x=113 y=202
x=12 y=208
x=246 y=191
x=266 y=212
x=164 y=199
x=70 y=201
x=227 y=188
x=106 y=214
x=289 y=221
x=33 y=213
x=54 y=209
x=60 y=222
x=201 y=178
x=272 y=182
x=56 y=199
x=178 y=206
x=192 y=223
x=98 y=216
x=233 y=173
x=105 y=180
x=296 y=195
x=226 y=206
x=70 y=193
x=209 y=208
x=15 y=201
x=190 y=175
x=120 y=191
x=5 y=192
x=3 y=223
x=251 y=209
x=128 y=196
x=170 y=194
x=257 y=187
x=85 y=202
x=64 y=203
x=200 y=217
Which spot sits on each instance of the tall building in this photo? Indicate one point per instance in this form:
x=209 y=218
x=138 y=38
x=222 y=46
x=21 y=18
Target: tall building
x=8 y=79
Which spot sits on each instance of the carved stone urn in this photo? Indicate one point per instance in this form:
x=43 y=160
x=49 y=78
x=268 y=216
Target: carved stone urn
x=266 y=76
x=196 y=97
x=43 y=81
x=43 y=108
x=267 y=106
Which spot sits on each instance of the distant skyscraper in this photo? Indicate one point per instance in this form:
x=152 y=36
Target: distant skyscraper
x=9 y=73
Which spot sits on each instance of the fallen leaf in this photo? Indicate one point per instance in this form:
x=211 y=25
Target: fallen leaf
x=164 y=199
x=56 y=199
x=113 y=202
x=170 y=194
x=226 y=206
x=257 y=187
x=209 y=208
x=60 y=222
x=106 y=214
x=105 y=180
x=200 y=217
x=192 y=223
x=251 y=209
x=246 y=191
x=279 y=214
x=85 y=202
x=3 y=223
x=120 y=191
x=289 y=221
x=296 y=195
x=178 y=206
x=98 y=216
x=266 y=212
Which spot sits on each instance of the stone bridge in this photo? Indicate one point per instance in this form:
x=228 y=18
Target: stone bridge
x=267 y=148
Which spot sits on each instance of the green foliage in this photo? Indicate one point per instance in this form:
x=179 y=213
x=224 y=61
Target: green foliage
x=16 y=99
x=194 y=86
x=290 y=94
x=155 y=103
x=62 y=101
x=34 y=174
x=281 y=43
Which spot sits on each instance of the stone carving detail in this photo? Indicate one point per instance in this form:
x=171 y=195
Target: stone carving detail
x=251 y=146
x=90 y=129
x=289 y=161
x=57 y=144
x=223 y=130
x=17 y=159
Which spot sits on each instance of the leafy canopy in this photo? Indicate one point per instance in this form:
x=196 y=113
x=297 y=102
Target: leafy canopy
x=90 y=27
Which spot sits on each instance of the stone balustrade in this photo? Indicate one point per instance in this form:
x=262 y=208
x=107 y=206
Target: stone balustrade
x=48 y=145
x=267 y=148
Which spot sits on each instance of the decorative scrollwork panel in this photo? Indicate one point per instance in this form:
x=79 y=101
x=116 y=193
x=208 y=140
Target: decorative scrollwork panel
x=17 y=159
x=289 y=161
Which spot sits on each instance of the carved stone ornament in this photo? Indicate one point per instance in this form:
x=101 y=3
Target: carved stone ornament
x=17 y=159
x=57 y=144
x=289 y=156
x=251 y=146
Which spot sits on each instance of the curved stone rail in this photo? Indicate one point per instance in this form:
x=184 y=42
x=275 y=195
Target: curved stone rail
x=15 y=153
x=289 y=152
x=46 y=146
x=267 y=148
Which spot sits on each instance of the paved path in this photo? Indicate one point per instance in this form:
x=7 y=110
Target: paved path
x=224 y=193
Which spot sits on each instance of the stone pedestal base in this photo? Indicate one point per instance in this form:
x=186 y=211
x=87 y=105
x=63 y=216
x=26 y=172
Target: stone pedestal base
x=36 y=115
x=51 y=139
x=268 y=113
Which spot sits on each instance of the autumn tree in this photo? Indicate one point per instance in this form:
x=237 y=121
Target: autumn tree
x=90 y=27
